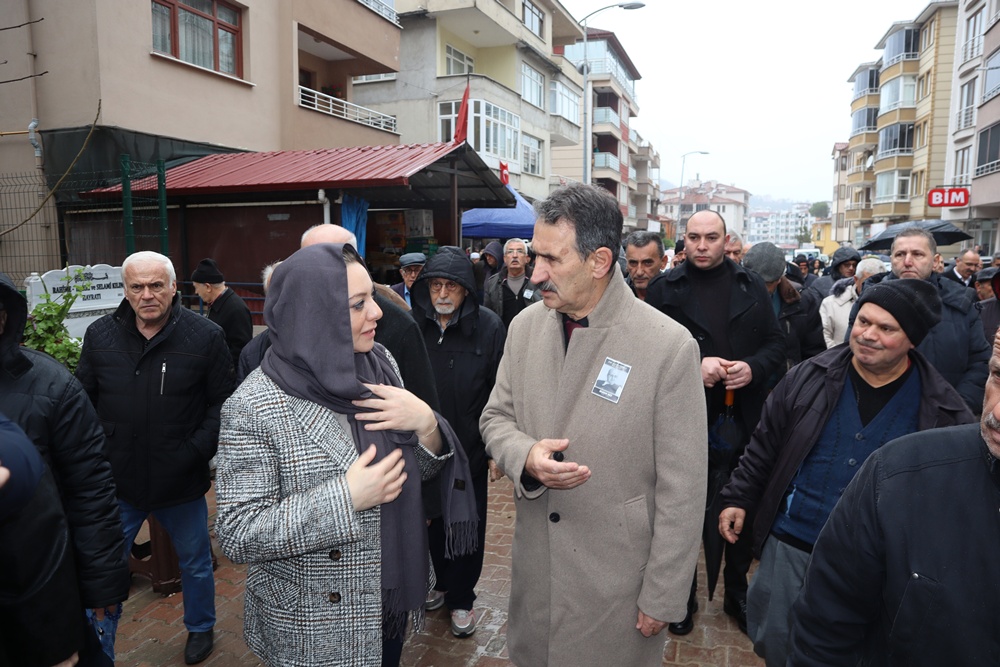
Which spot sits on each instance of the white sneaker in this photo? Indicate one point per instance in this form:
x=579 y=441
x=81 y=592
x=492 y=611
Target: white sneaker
x=435 y=600
x=463 y=622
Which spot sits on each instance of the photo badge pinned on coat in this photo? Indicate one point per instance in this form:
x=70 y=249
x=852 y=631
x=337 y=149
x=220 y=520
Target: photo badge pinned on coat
x=611 y=380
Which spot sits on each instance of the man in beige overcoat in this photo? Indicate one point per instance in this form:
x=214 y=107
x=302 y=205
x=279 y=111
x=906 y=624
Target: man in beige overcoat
x=609 y=487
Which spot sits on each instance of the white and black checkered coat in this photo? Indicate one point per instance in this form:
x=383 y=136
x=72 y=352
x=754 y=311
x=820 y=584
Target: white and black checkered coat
x=313 y=588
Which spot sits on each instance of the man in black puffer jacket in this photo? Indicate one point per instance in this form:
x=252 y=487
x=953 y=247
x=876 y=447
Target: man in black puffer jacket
x=465 y=342
x=158 y=375
x=43 y=398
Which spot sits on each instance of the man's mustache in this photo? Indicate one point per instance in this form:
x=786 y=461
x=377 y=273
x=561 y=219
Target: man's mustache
x=548 y=286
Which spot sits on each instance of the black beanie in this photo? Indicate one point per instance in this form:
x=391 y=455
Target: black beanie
x=914 y=303
x=207 y=272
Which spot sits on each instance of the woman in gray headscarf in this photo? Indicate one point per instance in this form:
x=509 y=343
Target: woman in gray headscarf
x=320 y=459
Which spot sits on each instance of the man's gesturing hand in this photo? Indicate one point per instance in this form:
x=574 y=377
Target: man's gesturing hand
x=553 y=473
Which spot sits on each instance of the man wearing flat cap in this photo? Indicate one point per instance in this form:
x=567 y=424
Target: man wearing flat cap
x=225 y=307
x=410 y=266
x=821 y=422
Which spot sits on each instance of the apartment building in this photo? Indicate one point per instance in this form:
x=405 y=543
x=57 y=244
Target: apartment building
x=730 y=202
x=525 y=96
x=840 y=231
x=899 y=124
x=182 y=78
x=614 y=148
x=973 y=157
x=645 y=193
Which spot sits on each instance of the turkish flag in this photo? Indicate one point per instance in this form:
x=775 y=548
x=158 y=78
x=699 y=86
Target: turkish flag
x=504 y=173
x=462 y=122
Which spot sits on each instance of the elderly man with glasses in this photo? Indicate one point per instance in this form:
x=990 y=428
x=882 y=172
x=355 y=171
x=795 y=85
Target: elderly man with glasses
x=510 y=291
x=464 y=342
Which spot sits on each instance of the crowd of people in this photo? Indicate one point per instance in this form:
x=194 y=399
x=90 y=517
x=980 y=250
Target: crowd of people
x=819 y=419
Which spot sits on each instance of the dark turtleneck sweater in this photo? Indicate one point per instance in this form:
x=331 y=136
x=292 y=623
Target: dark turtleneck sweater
x=711 y=290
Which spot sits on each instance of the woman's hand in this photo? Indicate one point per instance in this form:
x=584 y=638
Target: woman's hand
x=375 y=484
x=394 y=408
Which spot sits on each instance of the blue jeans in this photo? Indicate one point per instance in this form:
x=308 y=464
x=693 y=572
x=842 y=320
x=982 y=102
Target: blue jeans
x=187 y=525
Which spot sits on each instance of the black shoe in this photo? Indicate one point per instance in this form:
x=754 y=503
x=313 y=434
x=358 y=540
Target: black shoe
x=736 y=606
x=199 y=646
x=687 y=625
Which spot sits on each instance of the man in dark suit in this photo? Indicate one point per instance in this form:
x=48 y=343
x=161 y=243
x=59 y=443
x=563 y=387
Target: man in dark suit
x=965 y=268
x=410 y=266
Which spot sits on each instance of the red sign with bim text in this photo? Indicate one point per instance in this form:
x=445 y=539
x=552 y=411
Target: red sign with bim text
x=948 y=197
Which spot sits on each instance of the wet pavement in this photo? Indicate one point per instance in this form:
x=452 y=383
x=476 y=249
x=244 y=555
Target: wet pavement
x=152 y=633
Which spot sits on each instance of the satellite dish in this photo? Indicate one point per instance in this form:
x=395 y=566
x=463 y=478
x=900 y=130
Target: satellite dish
x=869 y=162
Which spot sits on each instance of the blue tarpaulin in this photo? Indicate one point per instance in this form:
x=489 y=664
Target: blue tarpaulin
x=501 y=223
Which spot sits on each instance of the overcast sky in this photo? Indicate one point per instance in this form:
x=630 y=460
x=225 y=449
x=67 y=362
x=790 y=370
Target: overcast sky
x=760 y=84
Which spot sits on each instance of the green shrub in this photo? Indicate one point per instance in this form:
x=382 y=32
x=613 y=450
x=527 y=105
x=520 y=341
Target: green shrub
x=45 y=329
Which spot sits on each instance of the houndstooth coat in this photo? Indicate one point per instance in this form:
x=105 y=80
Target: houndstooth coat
x=313 y=588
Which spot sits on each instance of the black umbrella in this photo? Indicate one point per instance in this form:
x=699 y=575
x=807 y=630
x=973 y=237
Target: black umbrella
x=725 y=438
x=944 y=233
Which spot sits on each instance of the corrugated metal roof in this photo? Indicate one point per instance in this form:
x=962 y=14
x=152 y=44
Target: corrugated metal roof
x=405 y=173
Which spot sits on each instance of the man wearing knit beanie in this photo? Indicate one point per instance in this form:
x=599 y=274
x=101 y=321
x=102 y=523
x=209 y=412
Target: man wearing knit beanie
x=821 y=422
x=225 y=307
x=956 y=347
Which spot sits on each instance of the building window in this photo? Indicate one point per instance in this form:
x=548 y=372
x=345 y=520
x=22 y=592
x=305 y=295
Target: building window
x=991 y=80
x=917 y=184
x=564 y=102
x=892 y=186
x=988 y=154
x=206 y=33
x=531 y=155
x=864 y=120
x=966 y=116
x=973 y=37
x=923 y=85
x=927 y=36
x=895 y=140
x=534 y=18
x=493 y=130
x=457 y=62
x=898 y=92
x=532 y=86
x=962 y=165
x=900 y=45
x=370 y=78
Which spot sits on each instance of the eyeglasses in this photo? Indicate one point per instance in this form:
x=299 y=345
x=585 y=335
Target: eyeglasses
x=447 y=285
x=411 y=269
x=139 y=288
x=517 y=251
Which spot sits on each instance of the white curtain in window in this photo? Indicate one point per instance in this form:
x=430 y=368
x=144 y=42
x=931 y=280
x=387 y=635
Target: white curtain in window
x=194 y=35
x=161 y=28
x=227 y=52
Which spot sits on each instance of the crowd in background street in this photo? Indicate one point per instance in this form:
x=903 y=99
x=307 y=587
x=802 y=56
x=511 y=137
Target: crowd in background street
x=822 y=420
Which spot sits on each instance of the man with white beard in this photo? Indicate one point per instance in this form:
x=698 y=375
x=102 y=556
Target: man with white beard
x=464 y=341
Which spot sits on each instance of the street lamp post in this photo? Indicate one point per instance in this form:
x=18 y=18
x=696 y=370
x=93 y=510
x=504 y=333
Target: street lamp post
x=680 y=200
x=588 y=135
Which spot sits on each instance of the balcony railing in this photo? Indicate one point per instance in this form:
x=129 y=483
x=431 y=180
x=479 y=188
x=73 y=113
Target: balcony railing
x=972 y=48
x=965 y=118
x=991 y=93
x=633 y=136
x=994 y=19
x=607 y=161
x=631 y=173
x=867 y=91
x=631 y=212
x=382 y=9
x=900 y=57
x=607 y=115
x=988 y=168
x=864 y=130
x=898 y=104
x=334 y=106
x=962 y=179
x=858 y=206
x=890 y=199
x=854 y=169
x=606 y=66
x=894 y=152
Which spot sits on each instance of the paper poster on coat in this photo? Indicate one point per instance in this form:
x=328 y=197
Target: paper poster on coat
x=611 y=380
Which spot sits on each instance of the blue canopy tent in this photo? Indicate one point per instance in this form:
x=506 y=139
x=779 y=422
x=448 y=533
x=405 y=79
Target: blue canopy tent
x=501 y=223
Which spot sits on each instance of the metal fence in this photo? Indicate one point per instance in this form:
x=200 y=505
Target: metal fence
x=91 y=218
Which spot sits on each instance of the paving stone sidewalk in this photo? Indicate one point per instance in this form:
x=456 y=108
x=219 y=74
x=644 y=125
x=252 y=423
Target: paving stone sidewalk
x=152 y=634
